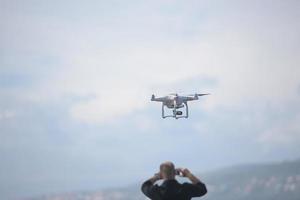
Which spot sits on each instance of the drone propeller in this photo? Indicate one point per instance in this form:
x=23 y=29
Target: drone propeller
x=198 y=94
x=202 y=94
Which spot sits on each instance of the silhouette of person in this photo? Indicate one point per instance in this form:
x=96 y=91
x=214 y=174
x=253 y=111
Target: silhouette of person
x=170 y=189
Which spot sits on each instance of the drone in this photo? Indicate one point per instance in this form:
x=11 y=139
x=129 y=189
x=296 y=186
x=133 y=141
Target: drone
x=174 y=101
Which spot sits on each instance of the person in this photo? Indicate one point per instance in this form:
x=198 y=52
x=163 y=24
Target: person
x=170 y=189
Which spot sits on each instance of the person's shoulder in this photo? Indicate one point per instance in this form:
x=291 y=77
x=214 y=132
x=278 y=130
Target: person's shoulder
x=156 y=186
x=192 y=186
x=186 y=184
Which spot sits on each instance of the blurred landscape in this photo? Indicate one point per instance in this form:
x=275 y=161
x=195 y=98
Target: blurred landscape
x=253 y=181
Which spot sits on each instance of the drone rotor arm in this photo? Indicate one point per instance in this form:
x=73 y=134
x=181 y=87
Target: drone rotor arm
x=160 y=99
x=195 y=96
x=190 y=98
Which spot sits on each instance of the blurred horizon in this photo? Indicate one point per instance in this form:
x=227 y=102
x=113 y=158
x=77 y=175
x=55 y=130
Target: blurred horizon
x=76 y=80
x=259 y=181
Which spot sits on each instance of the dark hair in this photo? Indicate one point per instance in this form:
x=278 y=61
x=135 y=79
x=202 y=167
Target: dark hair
x=167 y=169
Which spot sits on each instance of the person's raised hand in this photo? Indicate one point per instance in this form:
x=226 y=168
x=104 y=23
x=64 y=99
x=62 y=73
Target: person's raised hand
x=157 y=176
x=185 y=172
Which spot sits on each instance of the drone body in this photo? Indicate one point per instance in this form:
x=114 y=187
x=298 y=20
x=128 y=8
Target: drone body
x=174 y=102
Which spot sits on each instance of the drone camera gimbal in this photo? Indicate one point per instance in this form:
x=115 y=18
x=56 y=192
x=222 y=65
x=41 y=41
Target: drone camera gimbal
x=176 y=113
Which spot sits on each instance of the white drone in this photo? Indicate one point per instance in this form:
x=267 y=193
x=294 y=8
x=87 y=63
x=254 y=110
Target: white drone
x=175 y=101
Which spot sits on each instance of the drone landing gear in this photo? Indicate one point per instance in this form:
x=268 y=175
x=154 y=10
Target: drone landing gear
x=176 y=113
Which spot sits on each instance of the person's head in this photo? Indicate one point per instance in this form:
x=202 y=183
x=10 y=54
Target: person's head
x=167 y=170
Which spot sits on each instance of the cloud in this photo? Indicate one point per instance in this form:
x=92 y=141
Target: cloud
x=7 y=114
x=107 y=107
x=250 y=54
x=287 y=132
x=242 y=59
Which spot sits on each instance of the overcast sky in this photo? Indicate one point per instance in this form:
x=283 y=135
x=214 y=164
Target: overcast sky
x=76 y=79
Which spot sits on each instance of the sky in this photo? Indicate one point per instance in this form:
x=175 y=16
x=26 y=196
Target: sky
x=76 y=80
